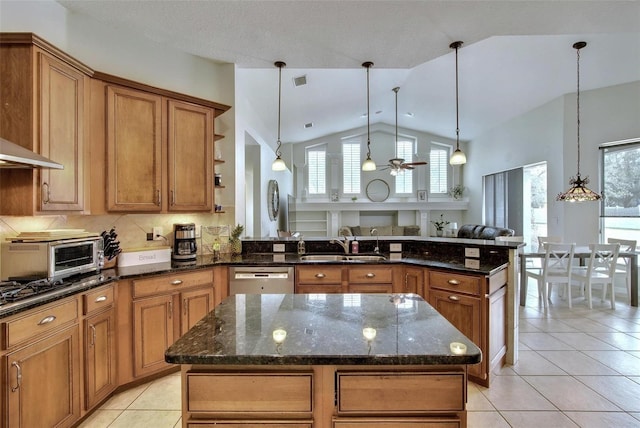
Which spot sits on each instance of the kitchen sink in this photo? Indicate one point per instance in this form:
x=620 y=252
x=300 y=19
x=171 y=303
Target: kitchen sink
x=343 y=257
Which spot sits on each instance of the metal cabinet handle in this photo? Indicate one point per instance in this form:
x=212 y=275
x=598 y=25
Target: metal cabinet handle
x=185 y=305
x=46 y=193
x=320 y=275
x=47 y=320
x=100 y=299
x=454 y=282
x=92 y=342
x=158 y=198
x=454 y=298
x=176 y=282
x=370 y=275
x=18 y=376
x=173 y=198
x=171 y=309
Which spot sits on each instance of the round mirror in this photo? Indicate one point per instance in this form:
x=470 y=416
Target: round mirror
x=273 y=199
x=377 y=190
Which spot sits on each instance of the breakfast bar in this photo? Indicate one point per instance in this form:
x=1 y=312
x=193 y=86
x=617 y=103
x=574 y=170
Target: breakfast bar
x=324 y=360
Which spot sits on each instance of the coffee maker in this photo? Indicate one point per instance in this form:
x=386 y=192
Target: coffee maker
x=184 y=242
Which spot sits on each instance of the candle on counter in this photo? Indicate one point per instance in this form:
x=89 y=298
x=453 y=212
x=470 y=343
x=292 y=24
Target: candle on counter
x=279 y=335
x=369 y=333
x=458 y=348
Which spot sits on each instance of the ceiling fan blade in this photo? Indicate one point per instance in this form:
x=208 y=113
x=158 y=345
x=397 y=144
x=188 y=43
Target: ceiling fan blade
x=416 y=163
x=406 y=166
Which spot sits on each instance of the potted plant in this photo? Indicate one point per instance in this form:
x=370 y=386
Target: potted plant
x=234 y=239
x=457 y=191
x=439 y=225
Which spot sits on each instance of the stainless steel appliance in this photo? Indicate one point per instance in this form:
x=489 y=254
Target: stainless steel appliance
x=184 y=242
x=261 y=280
x=52 y=260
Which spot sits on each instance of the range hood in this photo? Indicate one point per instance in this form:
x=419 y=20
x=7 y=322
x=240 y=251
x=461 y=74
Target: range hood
x=13 y=155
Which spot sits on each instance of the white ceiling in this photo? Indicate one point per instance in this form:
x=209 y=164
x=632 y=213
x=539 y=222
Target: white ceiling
x=517 y=55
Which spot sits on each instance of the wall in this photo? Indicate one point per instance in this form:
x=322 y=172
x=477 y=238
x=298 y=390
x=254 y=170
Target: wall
x=548 y=133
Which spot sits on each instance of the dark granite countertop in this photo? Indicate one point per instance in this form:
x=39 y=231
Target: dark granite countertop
x=323 y=329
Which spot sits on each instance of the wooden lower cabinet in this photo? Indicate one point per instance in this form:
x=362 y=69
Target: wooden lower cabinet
x=413 y=281
x=324 y=396
x=43 y=382
x=153 y=333
x=100 y=356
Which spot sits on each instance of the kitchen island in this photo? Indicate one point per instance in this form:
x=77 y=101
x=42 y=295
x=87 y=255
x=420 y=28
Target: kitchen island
x=322 y=360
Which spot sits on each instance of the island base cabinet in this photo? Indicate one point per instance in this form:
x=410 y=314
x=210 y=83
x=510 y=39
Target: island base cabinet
x=399 y=423
x=250 y=424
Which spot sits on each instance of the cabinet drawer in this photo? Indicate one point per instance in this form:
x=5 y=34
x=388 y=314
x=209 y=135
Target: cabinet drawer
x=406 y=392
x=250 y=393
x=40 y=321
x=320 y=275
x=168 y=283
x=251 y=424
x=98 y=299
x=370 y=274
x=455 y=282
x=434 y=422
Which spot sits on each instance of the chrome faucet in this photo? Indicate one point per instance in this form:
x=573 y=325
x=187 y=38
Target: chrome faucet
x=377 y=249
x=344 y=245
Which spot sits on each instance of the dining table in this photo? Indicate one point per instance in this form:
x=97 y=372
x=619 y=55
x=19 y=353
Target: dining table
x=581 y=252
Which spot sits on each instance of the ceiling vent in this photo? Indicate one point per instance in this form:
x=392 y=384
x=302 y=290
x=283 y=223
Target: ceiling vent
x=300 y=80
x=308 y=125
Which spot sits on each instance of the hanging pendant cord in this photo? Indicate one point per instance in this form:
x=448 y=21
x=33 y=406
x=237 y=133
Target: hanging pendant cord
x=578 y=106
x=279 y=103
x=368 y=116
x=457 y=121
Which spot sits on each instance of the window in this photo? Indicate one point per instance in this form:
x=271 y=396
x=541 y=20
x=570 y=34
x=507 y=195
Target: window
x=404 y=180
x=439 y=168
x=620 y=210
x=351 y=166
x=317 y=168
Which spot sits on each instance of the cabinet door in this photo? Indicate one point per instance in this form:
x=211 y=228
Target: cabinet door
x=195 y=305
x=190 y=149
x=100 y=357
x=43 y=388
x=134 y=150
x=61 y=134
x=413 y=281
x=464 y=313
x=153 y=323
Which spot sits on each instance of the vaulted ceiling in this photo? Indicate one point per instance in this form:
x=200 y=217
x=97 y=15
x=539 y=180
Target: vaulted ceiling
x=516 y=55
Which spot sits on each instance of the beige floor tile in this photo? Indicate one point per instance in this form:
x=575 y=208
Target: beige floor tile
x=619 y=340
x=178 y=424
x=543 y=341
x=527 y=327
x=146 y=419
x=576 y=363
x=621 y=391
x=635 y=415
x=476 y=401
x=100 y=419
x=588 y=325
x=603 y=419
x=620 y=324
x=636 y=379
x=583 y=342
x=551 y=325
x=623 y=362
x=532 y=363
x=486 y=419
x=124 y=399
x=538 y=419
x=513 y=393
x=162 y=394
x=567 y=393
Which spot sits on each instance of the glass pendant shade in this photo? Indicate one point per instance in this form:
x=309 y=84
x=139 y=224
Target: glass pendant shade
x=368 y=165
x=458 y=158
x=278 y=164
x=578 y=191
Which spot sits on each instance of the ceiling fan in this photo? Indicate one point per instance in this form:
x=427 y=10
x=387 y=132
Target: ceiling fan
x=398 y=165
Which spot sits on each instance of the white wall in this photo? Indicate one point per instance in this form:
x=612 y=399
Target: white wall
x=548 y=133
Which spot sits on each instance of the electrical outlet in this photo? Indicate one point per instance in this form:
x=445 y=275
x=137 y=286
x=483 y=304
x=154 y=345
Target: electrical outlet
x=157 y=233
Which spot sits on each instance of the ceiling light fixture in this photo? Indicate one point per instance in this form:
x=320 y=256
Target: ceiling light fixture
x=278 y=164
x=578 y=191
x=458 y=157
x=368 y=164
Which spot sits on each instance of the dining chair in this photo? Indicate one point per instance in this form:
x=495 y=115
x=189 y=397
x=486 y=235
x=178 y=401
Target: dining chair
x=623 y=264
x=556 y=269
x=600 y=269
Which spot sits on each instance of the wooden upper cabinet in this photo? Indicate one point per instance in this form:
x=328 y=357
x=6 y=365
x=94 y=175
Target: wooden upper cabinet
x=44 y=98
x=134 y=150
x=190 y=144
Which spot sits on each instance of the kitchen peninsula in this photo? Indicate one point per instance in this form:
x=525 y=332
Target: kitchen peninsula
x=322 y=360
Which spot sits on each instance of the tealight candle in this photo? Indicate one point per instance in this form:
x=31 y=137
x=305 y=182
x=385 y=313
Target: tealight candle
x=369 y=333
x=458 y=348
x=279 y=335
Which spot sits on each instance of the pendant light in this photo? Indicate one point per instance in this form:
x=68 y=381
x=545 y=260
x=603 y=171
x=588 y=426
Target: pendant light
x=458 y=157
x=578 y=191
x=368 y=164
x=278 y=164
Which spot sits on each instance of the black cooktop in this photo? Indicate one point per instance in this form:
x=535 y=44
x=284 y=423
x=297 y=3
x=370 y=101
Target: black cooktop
x=18 y=289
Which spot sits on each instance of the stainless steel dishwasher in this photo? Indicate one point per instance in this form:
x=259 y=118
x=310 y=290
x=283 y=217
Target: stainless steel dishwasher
x=261 y=280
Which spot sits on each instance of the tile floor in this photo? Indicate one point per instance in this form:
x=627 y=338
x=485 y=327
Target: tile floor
x=577 y=368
